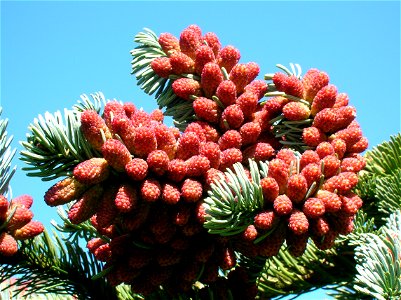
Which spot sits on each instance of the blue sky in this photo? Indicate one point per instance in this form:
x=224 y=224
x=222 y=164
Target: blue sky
x=52 y=52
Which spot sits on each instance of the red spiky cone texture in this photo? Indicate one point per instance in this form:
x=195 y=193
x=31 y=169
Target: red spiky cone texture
x=145 y=141
x=168 y=42
x=137 y=169
x=3 y=208
x=85 y=207
x=126 y=198
x=94 y=128
x=228 y=57
x=176 y=170
x=158 y=161
x=212 y=152
x=230 y=139
x=207 y=110
x=232 y=117
x=191 y=190
x=296 y=111
x=213 y=42
x=8 y=245
x=64 y=191
x=188 y=145
x=226 y=92
x=282 y=205
x=116 y=154
x=265 y=220
x=150 y=190
x=313 y=81
x=270 y=189
x=211 y=77
x=250 y=132
x=181 y=63
x=248 y=102
x=186 y=87
x=203 y=55
x=190 y=40
x=19 y=217
x=28 y=231
x=92 y=171
x=298 y=223
x=325 y=98
x=162 y=66
x=197 y=165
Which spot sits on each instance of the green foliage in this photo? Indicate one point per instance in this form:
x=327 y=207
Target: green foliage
x=377 y=232
x=45 y=265
x=379 y=268
x=379 y=184
x=55 y=143
x=6 y=155
x=231 y=204
x=385 y=159
x=75 y=232
x=8 y=291
x=148 y=49
x=388 y=192
x=285 y=274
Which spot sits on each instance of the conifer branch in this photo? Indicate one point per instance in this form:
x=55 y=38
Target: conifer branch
x=147 y=50
x=385 y=159
x=231 y=204
x=8 y=292
x=379 y=183
x=6 y=156
x=285 y=274
x=75 y=232
x=53 y=266
x=379 y=268
x=55 y=143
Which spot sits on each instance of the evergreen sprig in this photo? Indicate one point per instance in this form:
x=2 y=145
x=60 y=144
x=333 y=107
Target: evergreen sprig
x=55 y=143
x=46 y=265
x=385 y=158
x=75 y=232
x=6 y=156
x=379 y=185
x=147 y=50
x=179 y=109
x=285 y=274
x=388 y=192
x=9 y=292
x=232 y=201
x=379 y=268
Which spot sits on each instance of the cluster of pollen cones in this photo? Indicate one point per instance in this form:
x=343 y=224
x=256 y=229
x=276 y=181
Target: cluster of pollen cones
x=16 y=223
x=144 y=192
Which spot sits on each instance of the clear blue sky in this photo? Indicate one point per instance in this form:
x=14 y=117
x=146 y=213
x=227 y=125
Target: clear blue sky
x=52 y=52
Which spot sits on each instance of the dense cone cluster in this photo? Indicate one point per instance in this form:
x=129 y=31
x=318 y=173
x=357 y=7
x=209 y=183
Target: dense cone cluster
x=16 y=223
x=224 y=92
x=143 y=196
x=308 y=195
x=145 y=191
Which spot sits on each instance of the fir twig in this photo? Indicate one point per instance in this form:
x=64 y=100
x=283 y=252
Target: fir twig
x=285 y=274
x=46 y=265
x=231 y=204
x=75 y=232
x=6 y=156
x=147 y=50
x=386 y=157
x=379 y=270
x=55 y=143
